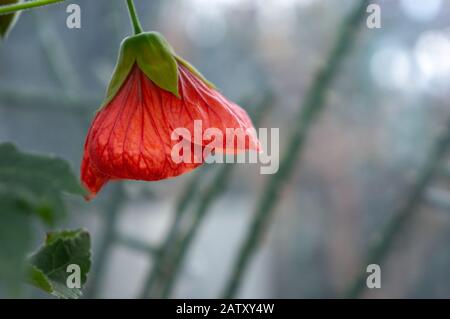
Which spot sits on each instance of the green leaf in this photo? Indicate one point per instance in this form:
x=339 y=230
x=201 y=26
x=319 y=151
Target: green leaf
x=50 y=169
x=31 y=187
x=48 y=266
x=7 y=21
x=38 y=279
x=15 y=241
x=38 y=180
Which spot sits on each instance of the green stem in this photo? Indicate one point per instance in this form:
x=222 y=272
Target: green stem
x=380 y=248
x=313 y=106
x=108 y=239
x=134 y=18
x=183 y=244
x=11 y=8
x=157 y=269
x=136 y=244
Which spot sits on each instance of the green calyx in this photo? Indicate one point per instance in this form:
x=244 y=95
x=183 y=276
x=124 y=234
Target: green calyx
x=194 y=71
x=155 y=57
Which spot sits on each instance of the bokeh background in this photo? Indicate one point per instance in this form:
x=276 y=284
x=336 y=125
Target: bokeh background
x=360 y=168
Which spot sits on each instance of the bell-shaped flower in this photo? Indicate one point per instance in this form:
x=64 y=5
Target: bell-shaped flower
x=154 y=92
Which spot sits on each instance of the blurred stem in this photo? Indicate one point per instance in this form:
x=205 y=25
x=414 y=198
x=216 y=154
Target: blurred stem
x=134 y=18
x=11 y=8
x=381 y=247
x=174 y=262
x=313 y=105
x=136 y=244
x=62 y=71
x=183 y=244
x=168 y=243
x=50 y=100
x=107 y=240
x=437 y=198
x=115 y=18
x=57 y=57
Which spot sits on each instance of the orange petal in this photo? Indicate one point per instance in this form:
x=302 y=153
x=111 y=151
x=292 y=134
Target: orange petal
x=130 y=138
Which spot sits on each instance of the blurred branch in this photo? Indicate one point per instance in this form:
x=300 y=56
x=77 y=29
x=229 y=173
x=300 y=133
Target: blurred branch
x=445 y=171
x=10 y=8
x=114 y=12
x=313 y=105
x=46 y=100
x=172 y=265
x=183 y=203
x=381 y=247
x=438 y=198
x=64 y=74
x=188 y=196
x=136 y=244
x=107 y=240
x=61 y=67
x=184 y=241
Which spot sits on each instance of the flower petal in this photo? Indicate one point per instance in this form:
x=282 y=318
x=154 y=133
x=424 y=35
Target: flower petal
x=132 y=136
x=201 y=103
x=91 y=177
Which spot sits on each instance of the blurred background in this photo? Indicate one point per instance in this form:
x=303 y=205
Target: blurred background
x=365 y=160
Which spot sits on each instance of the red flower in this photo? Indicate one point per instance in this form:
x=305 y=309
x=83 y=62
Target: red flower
x=131 y=137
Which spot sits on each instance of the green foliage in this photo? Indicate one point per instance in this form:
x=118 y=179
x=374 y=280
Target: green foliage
x=7 y=21
x=31 y=186
x=48 y=269
x=15 y=240
x=36 y=182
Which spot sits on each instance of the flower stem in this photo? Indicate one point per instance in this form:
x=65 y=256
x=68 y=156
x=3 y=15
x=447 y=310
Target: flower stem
x=11 y=8
x=134 y=18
